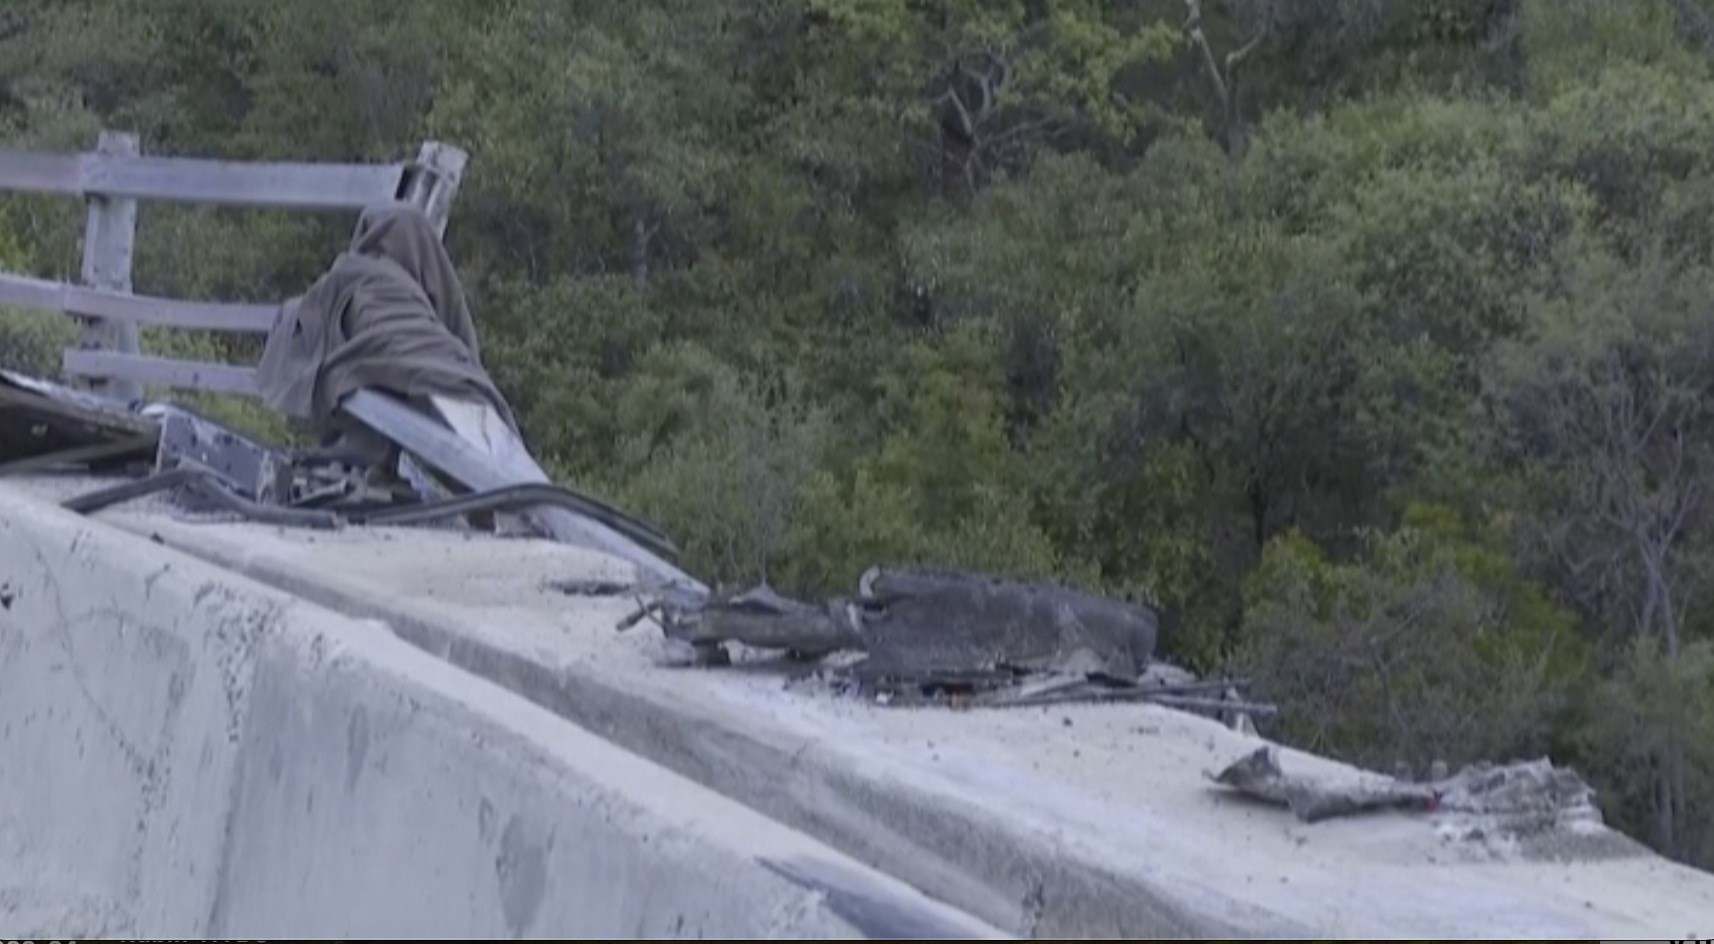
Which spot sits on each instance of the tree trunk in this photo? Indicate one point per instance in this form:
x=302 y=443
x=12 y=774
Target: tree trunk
x=641 y=233
x=1669 y=763
x=1658 y=603
x=1259 y=507
x=957 y=151
x=1666 y=798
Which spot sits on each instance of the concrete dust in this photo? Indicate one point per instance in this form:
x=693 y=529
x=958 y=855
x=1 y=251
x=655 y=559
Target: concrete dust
x=1124 y=782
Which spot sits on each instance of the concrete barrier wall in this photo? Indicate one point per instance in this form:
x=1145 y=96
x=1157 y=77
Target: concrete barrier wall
x=189 y=754
x=1080 y=822
x=123 y=680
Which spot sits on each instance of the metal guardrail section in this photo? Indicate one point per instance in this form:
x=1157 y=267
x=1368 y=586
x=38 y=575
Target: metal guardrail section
x=116 y=175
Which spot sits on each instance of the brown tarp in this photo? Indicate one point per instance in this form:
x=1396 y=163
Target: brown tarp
x=389 y=314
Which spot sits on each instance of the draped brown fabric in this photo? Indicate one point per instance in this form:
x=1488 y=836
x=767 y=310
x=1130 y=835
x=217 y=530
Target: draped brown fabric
x=389 y=314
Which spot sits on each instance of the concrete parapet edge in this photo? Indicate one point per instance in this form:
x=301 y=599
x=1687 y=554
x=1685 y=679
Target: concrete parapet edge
x=955 y=849
x=208 y=756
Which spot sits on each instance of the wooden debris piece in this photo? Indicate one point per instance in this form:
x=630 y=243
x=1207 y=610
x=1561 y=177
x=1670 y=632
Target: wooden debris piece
x=43 y=424
x=1258 y=774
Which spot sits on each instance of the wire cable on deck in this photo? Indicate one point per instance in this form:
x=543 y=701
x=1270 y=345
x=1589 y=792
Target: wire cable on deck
x=208 y=485
x=514 y=497
x=510 y=498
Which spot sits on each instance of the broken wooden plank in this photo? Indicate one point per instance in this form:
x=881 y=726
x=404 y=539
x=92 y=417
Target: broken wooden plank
x=49 y=398
x=1258 y=774
x=39 y=418
x=92 y=454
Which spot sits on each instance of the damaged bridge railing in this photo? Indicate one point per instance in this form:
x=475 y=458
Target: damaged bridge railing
x=113 y=178
x=467 y=443
x=921 y=637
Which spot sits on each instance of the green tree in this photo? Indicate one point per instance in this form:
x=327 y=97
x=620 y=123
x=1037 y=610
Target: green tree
x=1605 y=411
x=29 y=341
x=1431 y=646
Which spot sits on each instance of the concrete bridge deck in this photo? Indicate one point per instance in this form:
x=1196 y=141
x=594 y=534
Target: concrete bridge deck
x=1067 y=822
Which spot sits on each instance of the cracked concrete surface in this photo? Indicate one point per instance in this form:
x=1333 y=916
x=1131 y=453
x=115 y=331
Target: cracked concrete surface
x=99 y=679
x=1071 y=822
x=204 y=756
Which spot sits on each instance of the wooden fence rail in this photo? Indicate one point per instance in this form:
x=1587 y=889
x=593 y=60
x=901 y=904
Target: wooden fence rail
x=22 y=291
x=116 y=175
x=189 y=180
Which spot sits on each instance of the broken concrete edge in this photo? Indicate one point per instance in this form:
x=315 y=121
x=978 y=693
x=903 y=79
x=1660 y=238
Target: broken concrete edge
x=1017 y=875
x=356 y=770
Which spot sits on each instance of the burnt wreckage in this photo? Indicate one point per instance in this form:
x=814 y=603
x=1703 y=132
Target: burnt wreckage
x=948 y=637
x=924 y=635
x=921 y=636
x=379 y=358
x=45 y=427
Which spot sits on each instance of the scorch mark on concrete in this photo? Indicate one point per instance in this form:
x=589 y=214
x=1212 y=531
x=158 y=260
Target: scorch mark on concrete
x=356 y=747
x=485 y=820
x=522 y=868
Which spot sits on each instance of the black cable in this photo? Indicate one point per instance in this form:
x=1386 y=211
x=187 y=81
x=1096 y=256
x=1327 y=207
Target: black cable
x=511 y=497
x=124 y=492
x=210 y=486
x=530 y=493
x=207 y=485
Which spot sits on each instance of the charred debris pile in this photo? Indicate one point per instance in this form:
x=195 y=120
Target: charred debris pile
x=907 y=637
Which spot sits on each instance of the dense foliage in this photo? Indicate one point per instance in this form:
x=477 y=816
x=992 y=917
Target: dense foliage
x=1369 y=339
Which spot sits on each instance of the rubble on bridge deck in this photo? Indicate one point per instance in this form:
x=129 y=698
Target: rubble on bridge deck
x=906 y=638
x=944 y=637
x=927 y=637
x=44 y=426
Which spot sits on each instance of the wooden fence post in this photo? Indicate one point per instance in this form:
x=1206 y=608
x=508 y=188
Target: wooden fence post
x=434 y=191
x=109 y=236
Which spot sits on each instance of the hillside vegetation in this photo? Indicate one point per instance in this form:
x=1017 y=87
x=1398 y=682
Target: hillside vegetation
x=1371 y=340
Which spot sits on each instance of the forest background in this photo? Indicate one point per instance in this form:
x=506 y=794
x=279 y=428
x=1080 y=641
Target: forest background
x=1370 y=340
